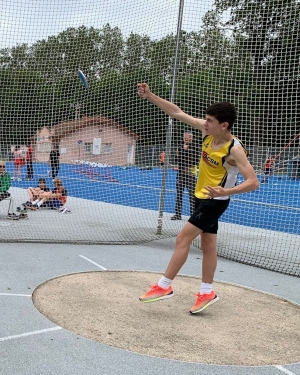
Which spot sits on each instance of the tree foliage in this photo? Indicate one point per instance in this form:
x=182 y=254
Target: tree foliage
x=252 y=60
x=268 y=32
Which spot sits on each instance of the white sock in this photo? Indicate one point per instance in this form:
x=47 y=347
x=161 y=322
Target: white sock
x=164 y=282
x=40 y=202
x=35 y=202
x=205 y=288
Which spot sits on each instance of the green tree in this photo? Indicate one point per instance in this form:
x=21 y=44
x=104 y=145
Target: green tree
x=24 y=104
x=136 y=52
x=115 y=96
x=15 y=58
x=268 y=32
x=89 y=49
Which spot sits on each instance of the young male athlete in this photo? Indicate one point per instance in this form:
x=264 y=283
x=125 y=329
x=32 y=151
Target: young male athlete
x=223 y=156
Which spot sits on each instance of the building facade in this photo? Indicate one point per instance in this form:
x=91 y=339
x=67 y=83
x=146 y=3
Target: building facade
x=94 y=139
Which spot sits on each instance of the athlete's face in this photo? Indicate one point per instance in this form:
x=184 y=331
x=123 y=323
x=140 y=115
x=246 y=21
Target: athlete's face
x=213 y=126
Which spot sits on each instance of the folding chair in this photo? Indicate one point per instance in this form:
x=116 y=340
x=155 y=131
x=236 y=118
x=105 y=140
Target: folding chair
x=11 y=205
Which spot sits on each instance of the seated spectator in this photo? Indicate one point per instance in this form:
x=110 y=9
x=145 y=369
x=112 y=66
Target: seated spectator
x=56 y=198
x=34 y=193
x=5 y=181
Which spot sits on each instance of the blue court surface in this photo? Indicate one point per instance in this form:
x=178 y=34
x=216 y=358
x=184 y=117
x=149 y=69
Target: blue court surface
x=274 y=206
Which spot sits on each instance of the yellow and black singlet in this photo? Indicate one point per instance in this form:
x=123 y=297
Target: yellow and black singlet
x=213 y=169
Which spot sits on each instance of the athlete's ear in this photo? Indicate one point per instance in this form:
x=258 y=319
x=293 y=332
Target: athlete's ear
x=225 y=125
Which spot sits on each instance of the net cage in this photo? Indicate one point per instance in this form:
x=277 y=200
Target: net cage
x=105 y=143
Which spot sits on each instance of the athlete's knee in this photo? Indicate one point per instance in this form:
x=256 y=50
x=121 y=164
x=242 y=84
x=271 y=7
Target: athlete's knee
x=182 y=240
x=208 y=242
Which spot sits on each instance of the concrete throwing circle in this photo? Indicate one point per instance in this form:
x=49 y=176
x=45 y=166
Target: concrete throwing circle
x=245 y=327
x=4 y=224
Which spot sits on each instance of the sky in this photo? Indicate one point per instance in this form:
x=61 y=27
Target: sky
x=26 y=21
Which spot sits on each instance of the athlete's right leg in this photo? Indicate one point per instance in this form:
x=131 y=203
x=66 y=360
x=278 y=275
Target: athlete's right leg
x=182 y=246
x=163 y=288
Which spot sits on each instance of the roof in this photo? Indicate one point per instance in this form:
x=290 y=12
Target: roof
x=65 y=128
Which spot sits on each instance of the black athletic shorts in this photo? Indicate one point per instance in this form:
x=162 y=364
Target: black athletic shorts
x=207 y=213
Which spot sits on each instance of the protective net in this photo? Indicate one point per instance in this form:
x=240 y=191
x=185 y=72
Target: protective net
x=116 y=155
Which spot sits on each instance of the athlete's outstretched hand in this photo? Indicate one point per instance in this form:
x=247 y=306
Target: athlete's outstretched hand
x=214 y=192
x=143 y=90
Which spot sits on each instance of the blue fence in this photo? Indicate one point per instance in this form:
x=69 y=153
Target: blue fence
x=275 y=205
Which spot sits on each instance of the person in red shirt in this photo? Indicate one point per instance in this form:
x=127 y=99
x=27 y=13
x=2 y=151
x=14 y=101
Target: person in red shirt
x=162 y=158
x=19 y=162
x=29 y=163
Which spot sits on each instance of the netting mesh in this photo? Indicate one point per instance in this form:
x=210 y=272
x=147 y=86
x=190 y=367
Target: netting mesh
x=110 y=140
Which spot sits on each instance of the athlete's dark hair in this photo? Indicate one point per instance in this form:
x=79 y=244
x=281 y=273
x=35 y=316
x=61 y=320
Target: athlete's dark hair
x=223 y=112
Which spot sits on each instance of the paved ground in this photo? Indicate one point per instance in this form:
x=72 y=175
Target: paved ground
x=30 y=344
x=105 y=223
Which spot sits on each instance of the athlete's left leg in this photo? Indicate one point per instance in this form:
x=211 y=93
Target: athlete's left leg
x=209 y=260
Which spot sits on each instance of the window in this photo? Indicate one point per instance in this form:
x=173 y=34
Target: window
x=107 y=148
x=44 y=147
x=130 y=154
x=96 y=146
x=88 y=147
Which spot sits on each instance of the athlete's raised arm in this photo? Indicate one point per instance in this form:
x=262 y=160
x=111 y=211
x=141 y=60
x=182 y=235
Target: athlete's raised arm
x=169 y=108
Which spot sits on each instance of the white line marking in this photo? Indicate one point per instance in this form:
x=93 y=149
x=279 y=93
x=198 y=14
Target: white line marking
x=16 y=295
x=281 y=368
x=96 y=264
x=29 y=333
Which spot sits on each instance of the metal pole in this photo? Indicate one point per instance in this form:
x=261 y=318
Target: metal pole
x=53 y=99
x=77 y=108
x=170 y=122
x=152 y=156
x=55 y=78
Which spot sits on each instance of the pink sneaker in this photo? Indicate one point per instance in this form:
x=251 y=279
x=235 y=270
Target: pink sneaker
x=156 y=293
x=203 y=301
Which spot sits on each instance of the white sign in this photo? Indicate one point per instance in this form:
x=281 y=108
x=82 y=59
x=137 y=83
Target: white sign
x=96 y=146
